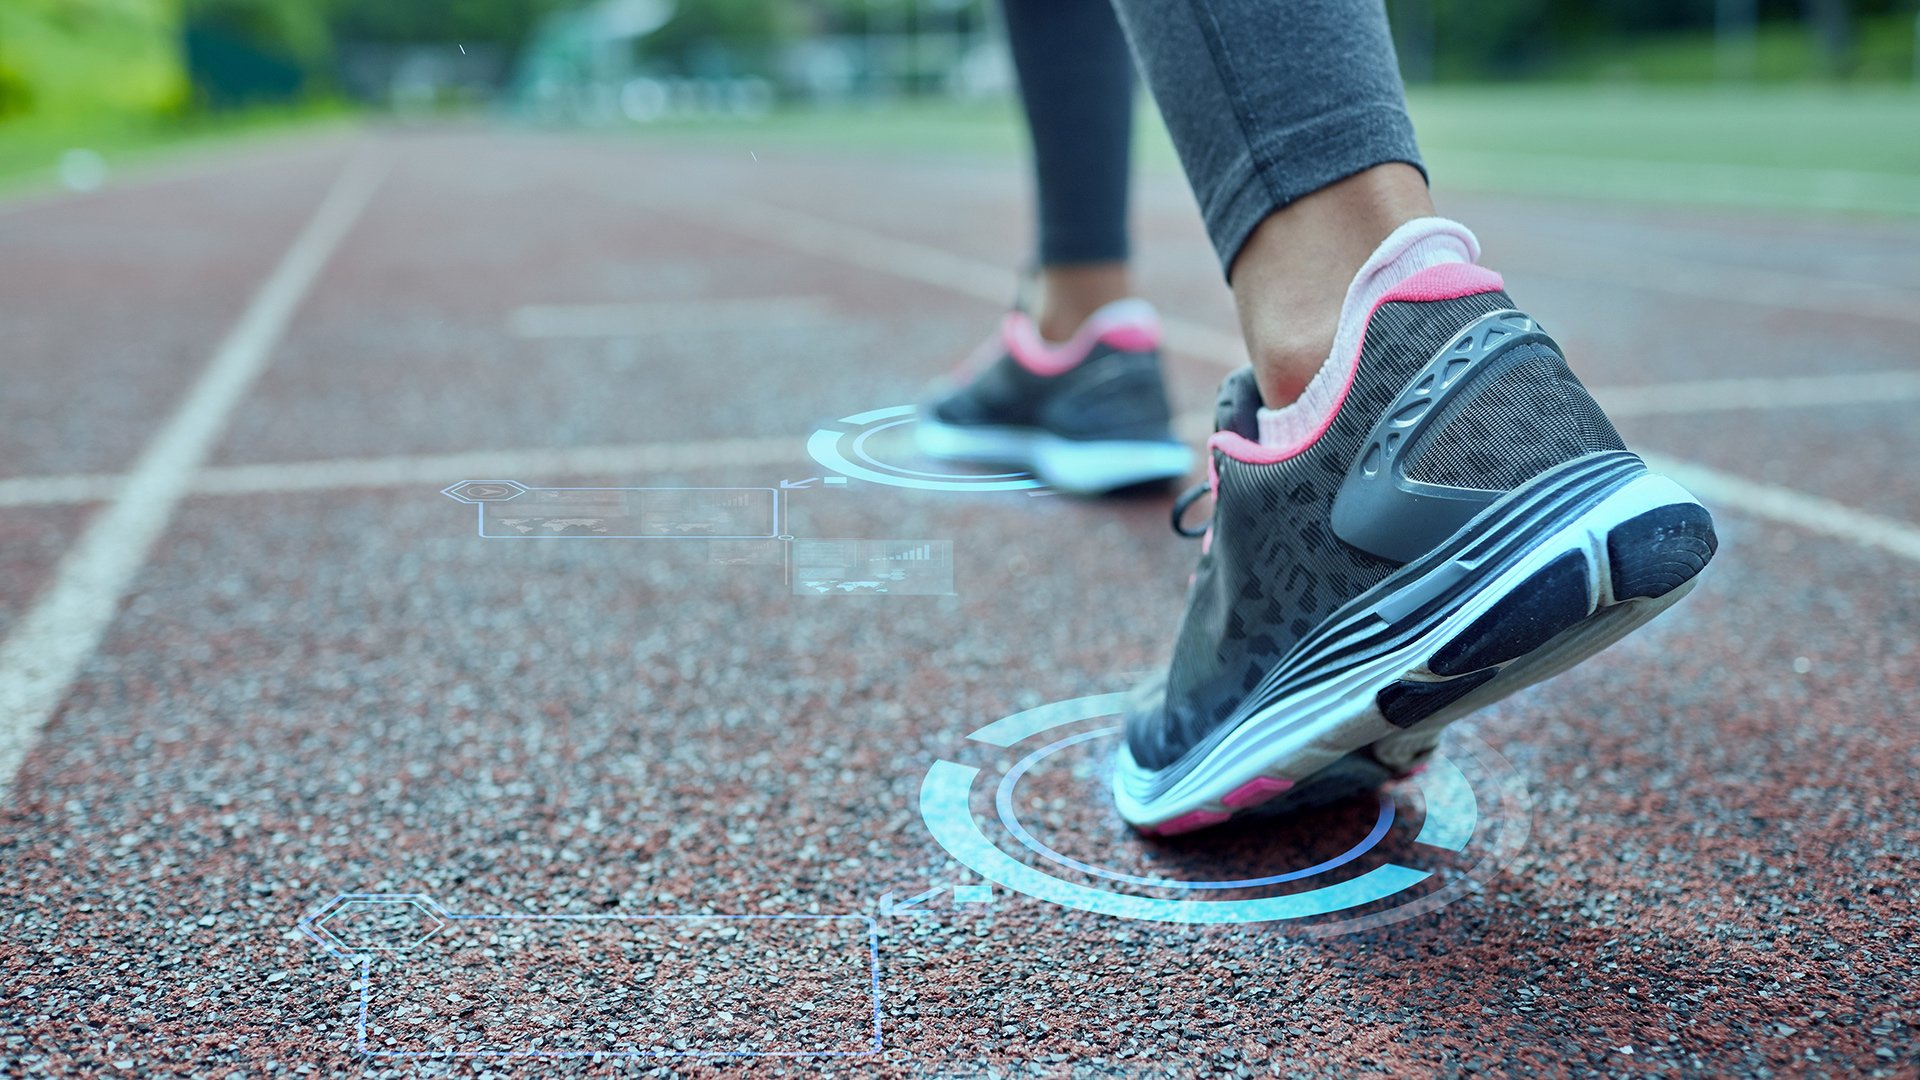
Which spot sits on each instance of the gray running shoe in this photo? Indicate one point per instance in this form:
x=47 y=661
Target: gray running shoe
x=1466 y=524
x=1088 y=416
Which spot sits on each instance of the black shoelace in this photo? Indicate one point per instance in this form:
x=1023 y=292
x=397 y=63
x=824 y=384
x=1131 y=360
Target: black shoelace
x=1180 y=507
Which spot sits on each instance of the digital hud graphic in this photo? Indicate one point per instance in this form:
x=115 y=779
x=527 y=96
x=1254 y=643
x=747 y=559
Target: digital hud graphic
x=476 y=597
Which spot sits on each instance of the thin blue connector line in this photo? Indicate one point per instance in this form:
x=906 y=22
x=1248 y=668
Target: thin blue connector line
x=313 y=926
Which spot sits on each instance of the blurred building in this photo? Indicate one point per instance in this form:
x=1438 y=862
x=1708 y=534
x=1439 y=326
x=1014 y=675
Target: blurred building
x=612 y=62
x=416 y=79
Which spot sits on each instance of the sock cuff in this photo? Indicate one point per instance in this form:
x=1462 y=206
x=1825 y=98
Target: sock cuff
x=1431 y=232
x=1417 y=245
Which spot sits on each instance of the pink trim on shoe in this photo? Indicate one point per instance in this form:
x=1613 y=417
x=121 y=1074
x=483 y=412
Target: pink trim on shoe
x=1187 y=822
x=1448 y=281
x=1255 y=791
x=1123 y=324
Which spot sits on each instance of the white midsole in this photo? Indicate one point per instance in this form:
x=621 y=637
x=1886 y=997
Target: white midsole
x=1320 y=723
x=1079 y=466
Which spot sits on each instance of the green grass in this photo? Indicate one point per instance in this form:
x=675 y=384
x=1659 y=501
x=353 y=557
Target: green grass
x=1807 y=147
x=73 y=58
x=1780 y=51
x=1806 y=127
x=30 y=148
x=1825 y=148
x=1797 y=147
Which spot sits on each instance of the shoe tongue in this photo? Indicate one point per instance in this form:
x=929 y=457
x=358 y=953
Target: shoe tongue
x=1238 y=407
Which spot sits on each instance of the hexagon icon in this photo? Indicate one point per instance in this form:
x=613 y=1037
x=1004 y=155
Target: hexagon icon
x=479 y=491
x=358 y=924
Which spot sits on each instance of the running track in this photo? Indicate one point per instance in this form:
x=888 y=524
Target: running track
x=253 y=659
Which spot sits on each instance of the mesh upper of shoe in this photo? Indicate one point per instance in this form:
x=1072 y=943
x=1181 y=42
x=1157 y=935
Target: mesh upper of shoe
x=1275 y=569
x=1472 y=442
x=1113 y=393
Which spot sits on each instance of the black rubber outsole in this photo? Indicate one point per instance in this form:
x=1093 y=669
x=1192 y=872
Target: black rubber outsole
x=1648 y=557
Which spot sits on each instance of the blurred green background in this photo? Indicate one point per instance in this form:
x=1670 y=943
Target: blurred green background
x=1799 y=103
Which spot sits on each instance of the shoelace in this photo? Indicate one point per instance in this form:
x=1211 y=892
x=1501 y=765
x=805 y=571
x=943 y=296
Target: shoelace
x=1180 y=507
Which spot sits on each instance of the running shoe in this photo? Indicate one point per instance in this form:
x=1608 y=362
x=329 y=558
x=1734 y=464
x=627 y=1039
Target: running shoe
x=1088 y=416
x=1466 y=522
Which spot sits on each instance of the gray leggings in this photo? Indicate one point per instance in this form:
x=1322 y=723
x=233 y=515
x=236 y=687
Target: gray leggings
x=1267 y=100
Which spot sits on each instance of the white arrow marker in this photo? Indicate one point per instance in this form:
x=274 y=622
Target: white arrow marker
x=907 y=908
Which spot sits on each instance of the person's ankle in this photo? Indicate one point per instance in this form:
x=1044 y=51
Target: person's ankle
x=1285 y=361
x=1291 y=277
x=1298 y=372
x=1070 y=294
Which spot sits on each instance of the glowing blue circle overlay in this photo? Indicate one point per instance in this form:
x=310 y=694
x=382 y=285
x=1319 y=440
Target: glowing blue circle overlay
x=1452 y=815
x=1003 y=801
x=826 y=447
x=861 y=452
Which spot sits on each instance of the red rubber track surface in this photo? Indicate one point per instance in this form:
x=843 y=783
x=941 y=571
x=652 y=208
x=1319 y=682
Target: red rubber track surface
x=341 y=689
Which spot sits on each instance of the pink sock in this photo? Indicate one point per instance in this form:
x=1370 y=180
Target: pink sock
x=1411 y=248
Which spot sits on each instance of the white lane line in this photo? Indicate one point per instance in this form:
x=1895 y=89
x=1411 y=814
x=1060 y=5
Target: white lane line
x=912 y=261
x=1658 y=399
x=1731 y=284
x=933 y=266
x=1772 y=502
x=1786 y=391
x=831 y=239
x=48 y=646
x=437 y=470
x=852 y=244
x=667 y=317
x=1719 y=489
x=59 y=490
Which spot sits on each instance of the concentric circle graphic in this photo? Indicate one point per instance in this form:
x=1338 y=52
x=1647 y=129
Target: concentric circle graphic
x=1469 y=806
x=1004 y=802
x=844 y=446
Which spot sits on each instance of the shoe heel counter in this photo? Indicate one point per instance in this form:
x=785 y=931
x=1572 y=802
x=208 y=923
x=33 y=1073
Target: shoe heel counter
x=1523 y=415
x=1494 y=408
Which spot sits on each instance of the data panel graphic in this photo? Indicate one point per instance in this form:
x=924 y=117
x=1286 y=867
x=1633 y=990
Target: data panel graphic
x=511 y=511
x=433 y=983
x=844 y=567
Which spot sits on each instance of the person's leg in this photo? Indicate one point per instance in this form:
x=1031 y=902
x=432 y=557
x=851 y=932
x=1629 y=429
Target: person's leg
x=1074 y=391
x=1069 y=294
x=1291 y=121
x=1290 y=277
x=1418 y=509
x=1077 y=85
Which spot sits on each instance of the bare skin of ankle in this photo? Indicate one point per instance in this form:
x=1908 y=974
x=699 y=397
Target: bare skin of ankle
x=1068 y=294
x=1292 y=276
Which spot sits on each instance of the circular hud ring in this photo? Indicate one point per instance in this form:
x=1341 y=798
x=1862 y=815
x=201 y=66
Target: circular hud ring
x=1453 y=821
x=844 y=447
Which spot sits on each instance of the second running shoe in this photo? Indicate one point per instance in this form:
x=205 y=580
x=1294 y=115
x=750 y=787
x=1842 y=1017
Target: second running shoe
x=1087 y=416
x=1465 y=522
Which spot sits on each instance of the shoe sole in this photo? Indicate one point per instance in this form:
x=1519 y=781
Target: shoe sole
x=1548 y=576
x=1081 y=467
